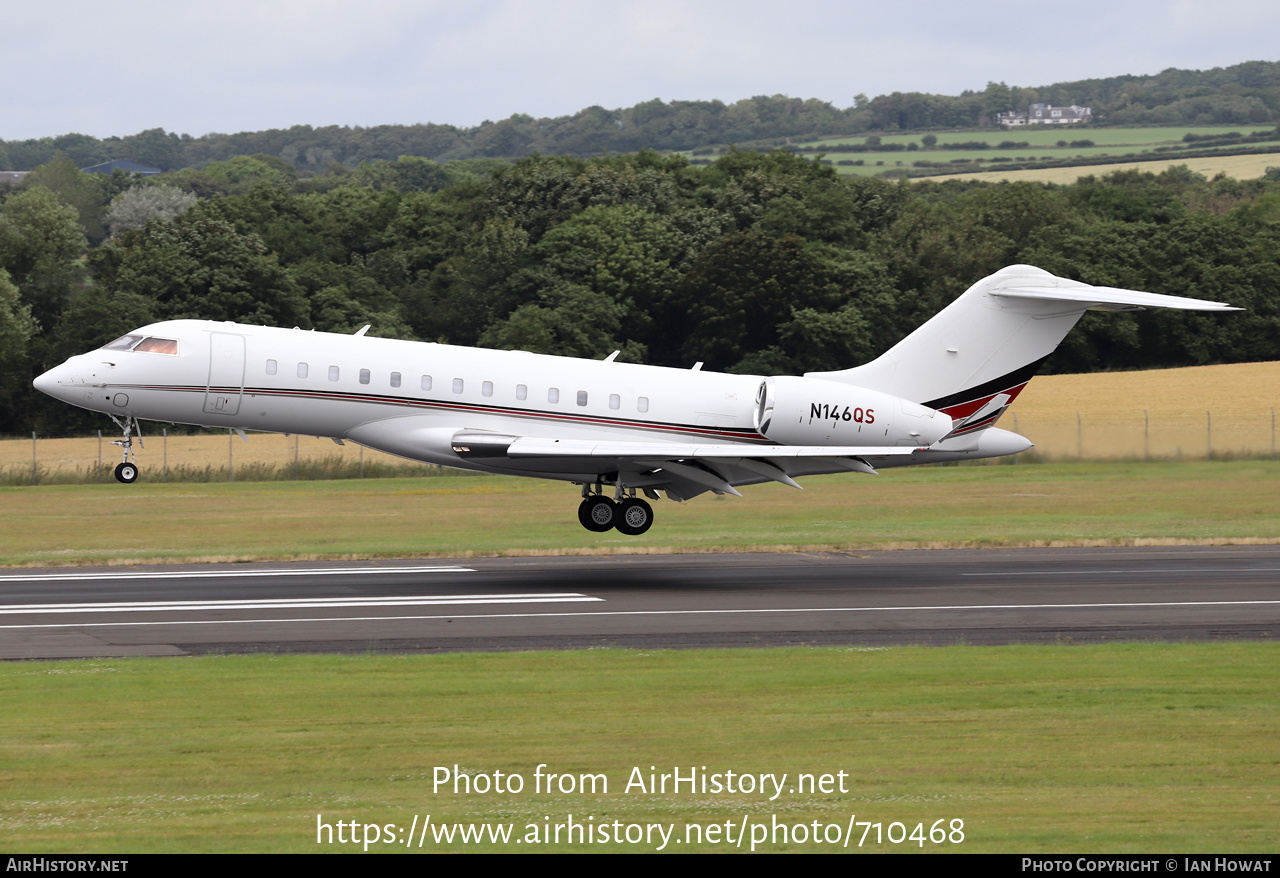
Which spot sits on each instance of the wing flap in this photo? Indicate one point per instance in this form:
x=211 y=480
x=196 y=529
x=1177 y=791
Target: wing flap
x=529 y=447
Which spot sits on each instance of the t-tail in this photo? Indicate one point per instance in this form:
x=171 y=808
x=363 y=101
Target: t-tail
x=973 y=358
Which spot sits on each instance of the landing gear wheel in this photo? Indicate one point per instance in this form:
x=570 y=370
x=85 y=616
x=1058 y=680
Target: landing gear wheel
x=597 y=513
x=634 y=517
x=127 y=471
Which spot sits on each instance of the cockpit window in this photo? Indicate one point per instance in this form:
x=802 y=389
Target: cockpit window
x=123 y=343
x=159 y=345
x=152 y=345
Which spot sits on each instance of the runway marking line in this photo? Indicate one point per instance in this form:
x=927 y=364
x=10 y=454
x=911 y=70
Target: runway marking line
x=292 y=603
x=225 y=574
x=1143 y=605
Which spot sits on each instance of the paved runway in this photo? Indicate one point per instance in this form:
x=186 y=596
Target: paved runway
x=926 y=597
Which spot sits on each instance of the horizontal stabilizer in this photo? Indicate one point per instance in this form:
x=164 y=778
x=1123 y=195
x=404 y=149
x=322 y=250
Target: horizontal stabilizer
x=1111 y=298
x=989 y=410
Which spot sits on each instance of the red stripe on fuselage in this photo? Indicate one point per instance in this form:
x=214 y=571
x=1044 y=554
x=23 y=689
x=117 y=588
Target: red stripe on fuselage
x=962 y=410
x=741 y=435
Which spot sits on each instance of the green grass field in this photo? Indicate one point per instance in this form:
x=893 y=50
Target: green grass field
x=1121 y=748
x=1115 y=748
x=1048 y=135
x=463 y=516
x=1121 y=144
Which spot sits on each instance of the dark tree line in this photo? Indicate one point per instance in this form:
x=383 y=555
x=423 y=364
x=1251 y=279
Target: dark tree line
x=760 y=262
x=1244 y=94
x=675 y=125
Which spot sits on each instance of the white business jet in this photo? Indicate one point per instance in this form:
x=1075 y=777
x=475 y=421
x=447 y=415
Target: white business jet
x=639 y=430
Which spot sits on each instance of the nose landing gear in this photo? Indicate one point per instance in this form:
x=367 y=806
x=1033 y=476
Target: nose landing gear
x=127 y=471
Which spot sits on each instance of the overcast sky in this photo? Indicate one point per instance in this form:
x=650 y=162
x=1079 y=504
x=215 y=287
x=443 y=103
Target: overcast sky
x=245 y=65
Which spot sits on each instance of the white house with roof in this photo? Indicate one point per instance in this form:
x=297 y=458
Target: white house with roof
x=1046 y=114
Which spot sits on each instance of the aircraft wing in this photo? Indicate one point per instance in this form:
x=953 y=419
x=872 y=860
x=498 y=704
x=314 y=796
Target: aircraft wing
x=682 y=470
x=531 y=447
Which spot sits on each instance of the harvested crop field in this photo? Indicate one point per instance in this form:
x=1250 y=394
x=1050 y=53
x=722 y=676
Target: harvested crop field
x=1241 y=167
x=1166 y=413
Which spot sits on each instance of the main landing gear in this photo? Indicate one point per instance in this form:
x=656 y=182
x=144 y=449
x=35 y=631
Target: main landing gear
x=629 y=515
x=127 y=471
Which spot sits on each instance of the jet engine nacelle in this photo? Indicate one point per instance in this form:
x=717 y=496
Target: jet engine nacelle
x=811 y=411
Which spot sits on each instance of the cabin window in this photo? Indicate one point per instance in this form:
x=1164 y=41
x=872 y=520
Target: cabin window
x=582 y=397
x=553 y=394
x=159 y=346
x=615 y=401
x=457 y=385
x=522 y=392
x=642 y=404
x=426 y=382
x=364 y=376
x=486 y=389
x=395 y=379
x=271 y=367
x=302 y=370
x=333 y=373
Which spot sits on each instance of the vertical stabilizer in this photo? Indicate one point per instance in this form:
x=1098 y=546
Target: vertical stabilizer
x=973 y=358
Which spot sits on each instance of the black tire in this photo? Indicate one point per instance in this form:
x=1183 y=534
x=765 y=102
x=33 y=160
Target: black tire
x=635 y=516
x=127 y=473
x=597 y=513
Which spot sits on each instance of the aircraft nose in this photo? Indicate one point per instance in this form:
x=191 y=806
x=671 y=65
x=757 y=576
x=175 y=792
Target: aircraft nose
x=47 y=382
x=57 y=382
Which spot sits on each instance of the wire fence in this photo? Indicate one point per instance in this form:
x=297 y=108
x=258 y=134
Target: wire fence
x=223 y=456
x=207 y=456
x=1147 y=436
